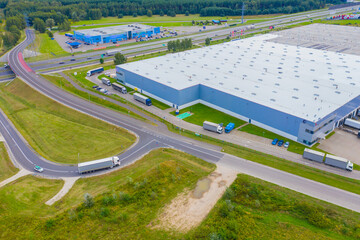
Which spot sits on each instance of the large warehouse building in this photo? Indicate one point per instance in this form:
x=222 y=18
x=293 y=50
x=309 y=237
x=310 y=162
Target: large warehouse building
x=115 y=33
x=299 y=93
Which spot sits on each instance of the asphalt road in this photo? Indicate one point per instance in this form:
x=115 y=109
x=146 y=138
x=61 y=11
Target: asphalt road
x=150 y=137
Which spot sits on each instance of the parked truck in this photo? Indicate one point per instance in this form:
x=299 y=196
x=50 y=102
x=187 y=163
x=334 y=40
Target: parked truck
x=119 y=88
x=313 y=155
x=229 y=127
x=94 y=71
x=142 y=99
x=106 y=81
x=214 y=127
x=352 y=123
x=95 y=165
x=338 y=162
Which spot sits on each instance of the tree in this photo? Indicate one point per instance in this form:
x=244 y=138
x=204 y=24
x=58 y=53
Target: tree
x=65 y=26
x=50 y=23
x=39 y=25
x=74 y=16
x=120 y=15
x=119 y=58
x=207 y=41
x=134 y=14
x=101 y=60
x=171 y=13
x=161 y=13
x=187 y=13
x=149 y=13
x=50 y=34
x=193 y=22
x=94 y=14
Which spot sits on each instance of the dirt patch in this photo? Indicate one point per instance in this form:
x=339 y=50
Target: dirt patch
x=189 y=208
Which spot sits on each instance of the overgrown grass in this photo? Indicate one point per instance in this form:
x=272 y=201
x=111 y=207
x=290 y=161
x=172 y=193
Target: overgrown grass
x=131 y=198
x=201 y=113
x=252 y=208
x=7 y=169
x=47 y=48
x=56 y=132
x=354 y=23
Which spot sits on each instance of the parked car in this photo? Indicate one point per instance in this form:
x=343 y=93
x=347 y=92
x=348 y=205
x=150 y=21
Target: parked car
x=95 y=86
x=107 y=73
x=99 y=88
x=38 y=169
x=280 y=143
x=286 y=145
x=73 y=59
x=61 y=62
x=274 y=142
x=88 y=58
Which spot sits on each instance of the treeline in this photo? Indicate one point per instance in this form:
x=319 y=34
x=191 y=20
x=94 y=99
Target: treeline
x=59 y=10
x=179 y=45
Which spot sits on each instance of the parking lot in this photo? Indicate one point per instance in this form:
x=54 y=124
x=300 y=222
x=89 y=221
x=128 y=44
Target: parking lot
x=343 y=144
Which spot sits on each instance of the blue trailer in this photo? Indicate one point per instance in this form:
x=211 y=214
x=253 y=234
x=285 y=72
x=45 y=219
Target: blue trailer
x=96 y=70
x=229 y=127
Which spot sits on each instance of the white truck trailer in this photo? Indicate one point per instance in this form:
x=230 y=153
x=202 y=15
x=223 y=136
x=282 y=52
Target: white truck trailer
x=352 y=123
x=313 y=155
x=213 y=127
x=338 y=162
x=142 y=99
x=95 y=165
x=106 y=81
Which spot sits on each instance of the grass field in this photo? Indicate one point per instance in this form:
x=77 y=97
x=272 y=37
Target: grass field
x=125 y=201
x=7 y=169
x=354 y=23
x=47 y=48
x=255 y=209
x=203 y=113
x=59 y=133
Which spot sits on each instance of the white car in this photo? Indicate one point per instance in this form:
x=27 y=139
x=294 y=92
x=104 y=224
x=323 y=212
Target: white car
x=38 y=169
x=286 y=145
x=107 y=74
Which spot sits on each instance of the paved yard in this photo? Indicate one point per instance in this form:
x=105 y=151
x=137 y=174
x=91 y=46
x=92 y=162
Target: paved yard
x=343 y=144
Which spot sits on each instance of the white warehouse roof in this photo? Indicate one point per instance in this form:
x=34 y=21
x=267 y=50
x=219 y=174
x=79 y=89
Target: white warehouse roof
x=303 y=82
x=114 y=29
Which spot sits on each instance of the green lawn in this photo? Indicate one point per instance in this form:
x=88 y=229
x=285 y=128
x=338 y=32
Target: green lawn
x=295 y=147
x=47 y=48
x=354 y=23
x=59 y=133
x=126 y=201
x=7 y=169
x=203 y=113
x=255 y=209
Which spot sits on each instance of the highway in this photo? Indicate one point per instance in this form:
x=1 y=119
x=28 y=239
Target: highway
x=84 y=59
x=149 y=137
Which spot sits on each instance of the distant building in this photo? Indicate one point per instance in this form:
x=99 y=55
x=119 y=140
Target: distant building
x=115 y=33
x=299 y=93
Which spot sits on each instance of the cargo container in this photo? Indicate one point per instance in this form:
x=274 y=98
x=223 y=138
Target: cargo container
x=313 y=155
x=142 y=99
x=352 y=123
x=214 y=127
x=94 y=71
x=229 y=127
x=338 y=162
x=106 y=81
x=119 y=88
x=95 y=165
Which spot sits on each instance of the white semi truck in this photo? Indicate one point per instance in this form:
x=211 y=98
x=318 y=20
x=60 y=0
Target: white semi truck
x=95 y=165
x=352 y=123
x=313 y=155
x=213 y=127
x=338 y=162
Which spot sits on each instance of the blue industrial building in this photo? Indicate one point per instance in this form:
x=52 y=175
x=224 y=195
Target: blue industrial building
x=115 y=33
x=274 y=86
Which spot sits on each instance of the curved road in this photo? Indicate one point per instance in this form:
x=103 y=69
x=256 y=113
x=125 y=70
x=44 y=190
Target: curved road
x=150 y=137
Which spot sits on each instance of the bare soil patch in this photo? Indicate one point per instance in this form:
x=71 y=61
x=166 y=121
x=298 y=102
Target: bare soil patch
x=189 y=208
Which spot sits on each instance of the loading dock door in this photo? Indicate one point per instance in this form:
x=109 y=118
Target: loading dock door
x=129 y=35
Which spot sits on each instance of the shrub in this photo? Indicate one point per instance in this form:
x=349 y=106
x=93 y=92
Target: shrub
x=124 y=197
x=88 y=200
x=104 y=212
x=50 y=223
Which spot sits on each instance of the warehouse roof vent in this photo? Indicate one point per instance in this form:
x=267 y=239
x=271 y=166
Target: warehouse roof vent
x=338 y=92
x=295 y=89
x=236 y=88
x=221 y=83
x=253 y=94
x=272 y=99
x=295 y=97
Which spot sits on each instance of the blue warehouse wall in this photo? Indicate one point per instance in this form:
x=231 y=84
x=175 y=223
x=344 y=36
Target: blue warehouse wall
x=259 y=113
x=162 y=91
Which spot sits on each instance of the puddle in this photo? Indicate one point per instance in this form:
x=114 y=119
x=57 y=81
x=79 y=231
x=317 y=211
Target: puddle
x=202 y=187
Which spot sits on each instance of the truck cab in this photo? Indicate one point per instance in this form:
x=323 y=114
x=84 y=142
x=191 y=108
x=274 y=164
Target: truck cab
x=148 y=102
x=220 y=129
x=349 y=166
